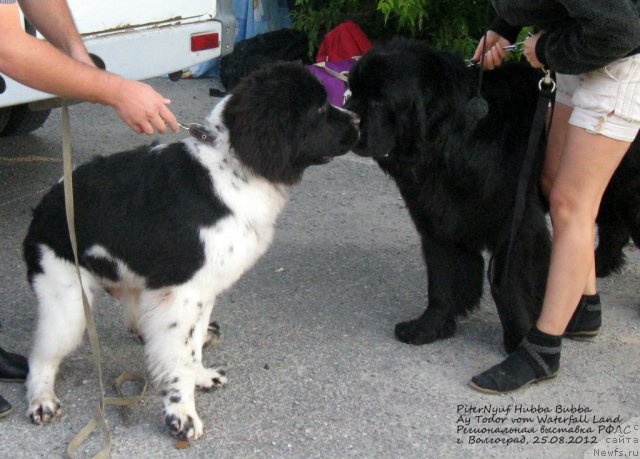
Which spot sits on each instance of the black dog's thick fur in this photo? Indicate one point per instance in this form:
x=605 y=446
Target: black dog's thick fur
x=619 y=214
x=458 y=177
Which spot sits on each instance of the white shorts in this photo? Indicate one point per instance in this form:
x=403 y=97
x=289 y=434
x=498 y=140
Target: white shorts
x=605 y=101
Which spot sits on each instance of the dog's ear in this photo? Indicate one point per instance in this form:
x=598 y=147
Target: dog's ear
x=412 y=123
x=428 y=110
x=265 y=117
x=261 y=134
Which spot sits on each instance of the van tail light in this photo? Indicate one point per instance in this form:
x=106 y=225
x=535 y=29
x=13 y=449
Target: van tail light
x=204 y=41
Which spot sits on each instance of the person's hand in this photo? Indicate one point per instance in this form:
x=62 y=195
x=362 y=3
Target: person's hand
x=529 y=51
x=494 y=52
x=142 y=108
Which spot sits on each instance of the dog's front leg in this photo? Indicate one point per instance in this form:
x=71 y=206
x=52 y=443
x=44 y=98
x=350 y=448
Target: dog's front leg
x=455 y=281
x=206 y=378
x=170 y=324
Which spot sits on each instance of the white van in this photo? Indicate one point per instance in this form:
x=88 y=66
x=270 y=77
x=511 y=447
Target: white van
x=137 y=39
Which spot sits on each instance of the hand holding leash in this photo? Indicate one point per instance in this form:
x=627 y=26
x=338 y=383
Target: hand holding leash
x=493 y=45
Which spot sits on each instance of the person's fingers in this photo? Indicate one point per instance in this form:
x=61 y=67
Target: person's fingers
x=169 y=118
x=158 y=123
x=145 y=127
x=494 y=57
x=491 y=60
x=478 y=52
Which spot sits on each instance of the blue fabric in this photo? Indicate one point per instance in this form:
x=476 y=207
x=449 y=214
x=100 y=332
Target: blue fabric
x=253 y=17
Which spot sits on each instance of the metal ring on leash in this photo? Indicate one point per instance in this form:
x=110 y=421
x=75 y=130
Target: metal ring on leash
x=547 y=81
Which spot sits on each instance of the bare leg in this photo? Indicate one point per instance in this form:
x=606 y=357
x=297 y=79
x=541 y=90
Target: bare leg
x=585 y=169
x=553 y=156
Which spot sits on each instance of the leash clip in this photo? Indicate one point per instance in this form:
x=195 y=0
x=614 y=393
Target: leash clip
x=198 y=132
x=547 y=81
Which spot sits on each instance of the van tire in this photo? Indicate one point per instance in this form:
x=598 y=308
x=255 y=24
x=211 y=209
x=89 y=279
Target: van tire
x=5 y=113
x=23 y=120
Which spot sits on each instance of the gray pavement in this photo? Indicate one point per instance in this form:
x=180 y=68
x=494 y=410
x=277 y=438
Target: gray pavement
x=314 y=369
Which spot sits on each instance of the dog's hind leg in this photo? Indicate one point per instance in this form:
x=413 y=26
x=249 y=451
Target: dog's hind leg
x=61 y=324
x=614 y=223
x=130 y=300
x=455 y=280
x=170 y=321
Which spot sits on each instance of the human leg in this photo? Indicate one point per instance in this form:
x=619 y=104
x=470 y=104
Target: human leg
x=587 y=164
x=555 y=147
x=602 y=126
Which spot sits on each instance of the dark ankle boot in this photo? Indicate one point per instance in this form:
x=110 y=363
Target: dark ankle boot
x=587 y=318
x=537 y=358
x=5 y=407
x=13 y=367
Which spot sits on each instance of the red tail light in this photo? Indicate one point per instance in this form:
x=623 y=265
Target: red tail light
x=205 y=41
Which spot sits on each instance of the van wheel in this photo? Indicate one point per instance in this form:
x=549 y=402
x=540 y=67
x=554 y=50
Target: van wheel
x=5 y=113
x=23 y=120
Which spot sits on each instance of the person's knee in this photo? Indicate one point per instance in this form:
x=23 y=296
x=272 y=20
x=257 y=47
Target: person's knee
x=567 y=207
x=562 y=206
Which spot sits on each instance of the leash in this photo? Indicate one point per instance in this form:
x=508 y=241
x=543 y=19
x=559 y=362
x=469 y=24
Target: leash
x=98 y=420
x=547 y=87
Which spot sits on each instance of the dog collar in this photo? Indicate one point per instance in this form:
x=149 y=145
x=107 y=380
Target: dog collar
x=199 y=132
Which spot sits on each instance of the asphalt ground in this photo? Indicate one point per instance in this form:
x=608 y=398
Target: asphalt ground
x=314 y=369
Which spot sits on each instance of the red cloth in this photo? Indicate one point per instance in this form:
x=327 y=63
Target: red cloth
x=343 y=41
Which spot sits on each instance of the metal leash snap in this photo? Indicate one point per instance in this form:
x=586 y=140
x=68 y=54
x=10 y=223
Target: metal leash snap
x=198 y=132
x=547 y=81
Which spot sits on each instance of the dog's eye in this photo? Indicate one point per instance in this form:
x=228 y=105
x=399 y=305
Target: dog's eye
x=322 y=110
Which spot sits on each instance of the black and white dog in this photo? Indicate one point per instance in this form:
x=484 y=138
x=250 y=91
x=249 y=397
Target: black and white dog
x=166 y=228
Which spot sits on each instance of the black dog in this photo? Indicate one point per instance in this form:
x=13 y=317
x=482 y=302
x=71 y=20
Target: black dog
x=458 y=177
x=167 y=228
x=619 y=214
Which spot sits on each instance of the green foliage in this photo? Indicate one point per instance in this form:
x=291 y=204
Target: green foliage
x=409 y=14
x=454 y=25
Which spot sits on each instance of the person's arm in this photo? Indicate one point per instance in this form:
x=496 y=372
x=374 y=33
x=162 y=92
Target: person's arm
x=53 y=19
x=599 y=33
x=39 y=65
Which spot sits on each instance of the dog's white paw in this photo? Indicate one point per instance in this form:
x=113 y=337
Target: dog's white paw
x=44 y=408
x=182 y=422
x=210 y=378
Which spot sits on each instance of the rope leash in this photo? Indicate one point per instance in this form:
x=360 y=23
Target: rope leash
x=30 y=159
x=98 y=420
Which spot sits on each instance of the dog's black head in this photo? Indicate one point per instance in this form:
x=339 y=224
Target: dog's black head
x=405 y=94
x=280 y=122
